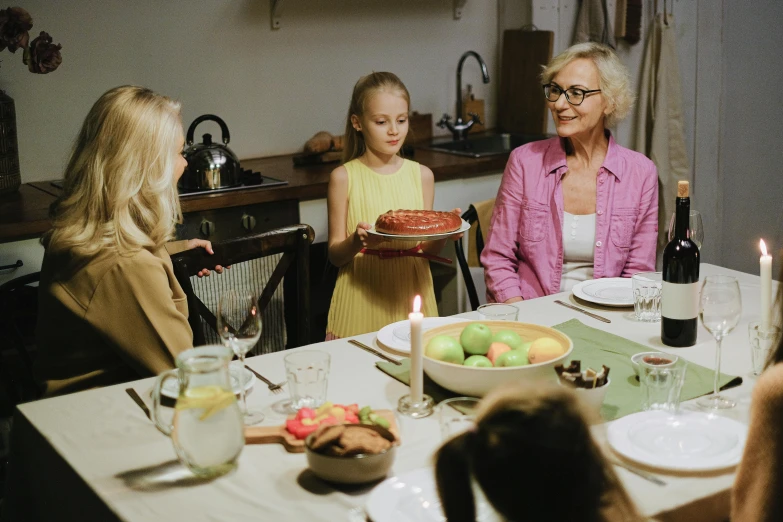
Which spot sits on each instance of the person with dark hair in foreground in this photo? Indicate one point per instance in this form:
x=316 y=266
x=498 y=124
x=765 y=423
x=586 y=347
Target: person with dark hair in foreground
x=533 y=457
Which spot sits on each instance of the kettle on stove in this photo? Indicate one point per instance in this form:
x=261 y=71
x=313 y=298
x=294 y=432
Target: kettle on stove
x=210 y=165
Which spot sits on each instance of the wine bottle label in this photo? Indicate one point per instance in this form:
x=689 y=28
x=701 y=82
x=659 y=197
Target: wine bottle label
x=680 y=301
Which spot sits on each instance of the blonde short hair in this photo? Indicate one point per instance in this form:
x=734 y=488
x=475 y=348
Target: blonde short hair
x=615 y=83
x=119 y=190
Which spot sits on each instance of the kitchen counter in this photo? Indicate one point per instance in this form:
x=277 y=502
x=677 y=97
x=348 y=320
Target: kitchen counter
x=24 y=214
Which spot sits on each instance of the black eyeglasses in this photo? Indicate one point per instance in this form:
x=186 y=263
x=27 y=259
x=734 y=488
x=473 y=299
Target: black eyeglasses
x=574 y=95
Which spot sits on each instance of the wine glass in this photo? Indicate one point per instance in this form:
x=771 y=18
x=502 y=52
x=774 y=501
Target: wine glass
x=720 y=308
x=239 y=326
x=695 y=228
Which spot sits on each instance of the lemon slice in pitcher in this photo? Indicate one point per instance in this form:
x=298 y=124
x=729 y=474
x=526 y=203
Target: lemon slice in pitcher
x=211 y=399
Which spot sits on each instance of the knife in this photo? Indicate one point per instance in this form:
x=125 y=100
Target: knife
x=572 y=307
x=137 y=400
x=374 y=352
x=647 y=476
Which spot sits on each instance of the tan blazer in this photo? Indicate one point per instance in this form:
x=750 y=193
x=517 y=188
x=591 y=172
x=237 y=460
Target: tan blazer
x=759 y=483
x=109 y=319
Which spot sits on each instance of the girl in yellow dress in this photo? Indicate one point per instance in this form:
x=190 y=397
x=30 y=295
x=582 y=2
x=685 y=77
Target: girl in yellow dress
x=374 y=290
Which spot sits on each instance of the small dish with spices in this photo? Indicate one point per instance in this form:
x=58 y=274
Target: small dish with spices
x=661 y=359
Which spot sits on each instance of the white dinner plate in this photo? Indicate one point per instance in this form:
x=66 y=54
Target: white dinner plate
x=413 y=497
x=171 y=387
x=401 y=237
x=609 y=291
x=686 y=441
x=397 y=336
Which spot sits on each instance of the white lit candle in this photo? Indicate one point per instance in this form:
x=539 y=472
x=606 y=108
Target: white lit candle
x=766 y=286
x=416 y=319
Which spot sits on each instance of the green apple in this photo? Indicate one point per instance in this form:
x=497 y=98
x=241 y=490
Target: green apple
x=525 y=347
x=512 y=339
x=445 y=348
x=478 y=361
x=476 y=338
x=511 y=358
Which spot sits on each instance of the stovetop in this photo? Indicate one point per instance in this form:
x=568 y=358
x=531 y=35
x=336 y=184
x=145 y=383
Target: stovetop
x=249 y=180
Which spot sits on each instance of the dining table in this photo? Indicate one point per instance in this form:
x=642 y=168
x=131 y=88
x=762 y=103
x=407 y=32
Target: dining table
x=94 y=455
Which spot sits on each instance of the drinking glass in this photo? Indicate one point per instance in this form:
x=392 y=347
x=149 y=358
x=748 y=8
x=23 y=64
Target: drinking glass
x=720 y=308
x=695 y=228
x=239 y=326
x=762 y=342
x=307 y=372
x=647 y=296
x=456 y=415
x=661 y=377
x=498 y=312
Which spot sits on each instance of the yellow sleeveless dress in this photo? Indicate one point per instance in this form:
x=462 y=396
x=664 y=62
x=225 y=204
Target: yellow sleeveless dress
x=372 y=292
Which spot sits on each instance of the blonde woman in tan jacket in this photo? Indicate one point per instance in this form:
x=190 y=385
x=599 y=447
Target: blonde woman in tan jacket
x=110 y=308
x=758 y=488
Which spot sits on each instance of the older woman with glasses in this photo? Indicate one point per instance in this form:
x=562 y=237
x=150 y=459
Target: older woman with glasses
x=578 y=206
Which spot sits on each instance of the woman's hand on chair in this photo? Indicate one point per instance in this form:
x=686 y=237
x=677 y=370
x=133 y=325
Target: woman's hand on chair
x=206 y=245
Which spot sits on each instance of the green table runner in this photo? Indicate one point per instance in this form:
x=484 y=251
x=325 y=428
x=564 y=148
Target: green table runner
x=595 y=347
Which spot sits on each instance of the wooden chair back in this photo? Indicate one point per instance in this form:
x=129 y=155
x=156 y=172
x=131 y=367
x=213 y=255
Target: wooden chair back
x=18 y=318
x=292 y=242
x=471 y=216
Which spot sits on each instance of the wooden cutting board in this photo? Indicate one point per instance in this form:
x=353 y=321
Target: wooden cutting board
x=521 y=106
x=329 y=156
x=278 y=434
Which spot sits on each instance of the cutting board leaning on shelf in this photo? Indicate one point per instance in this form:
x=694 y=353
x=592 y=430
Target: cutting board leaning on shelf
x=521 y=107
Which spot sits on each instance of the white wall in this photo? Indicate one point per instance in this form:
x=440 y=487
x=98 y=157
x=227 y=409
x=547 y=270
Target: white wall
x=274 y=89
x=751 y=155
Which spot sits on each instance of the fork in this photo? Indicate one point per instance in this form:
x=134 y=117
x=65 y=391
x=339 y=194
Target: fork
x=274 y=388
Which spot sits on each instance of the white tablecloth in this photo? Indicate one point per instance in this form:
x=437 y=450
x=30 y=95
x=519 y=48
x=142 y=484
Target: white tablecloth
x=95 y=456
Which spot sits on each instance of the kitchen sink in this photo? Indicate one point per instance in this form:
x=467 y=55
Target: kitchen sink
x=490 y=145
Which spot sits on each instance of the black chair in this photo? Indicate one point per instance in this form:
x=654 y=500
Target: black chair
x=292 y=242
x=471 y=216
x=18 y=318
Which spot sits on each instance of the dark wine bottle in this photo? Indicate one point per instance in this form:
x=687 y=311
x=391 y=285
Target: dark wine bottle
x=680 y=291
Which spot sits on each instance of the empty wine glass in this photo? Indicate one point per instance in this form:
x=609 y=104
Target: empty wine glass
x=720 y=308
x=239 y=326
x=695 y=228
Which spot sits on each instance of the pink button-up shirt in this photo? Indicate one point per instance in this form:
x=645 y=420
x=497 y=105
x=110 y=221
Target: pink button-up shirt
x=523 y=255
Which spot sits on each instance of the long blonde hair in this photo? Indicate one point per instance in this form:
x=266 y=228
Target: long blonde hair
x=614 y=80
x=119 y=190
x=364 y=89
x=531 y=448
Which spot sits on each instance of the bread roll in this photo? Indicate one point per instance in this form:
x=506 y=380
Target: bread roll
x=320 y=142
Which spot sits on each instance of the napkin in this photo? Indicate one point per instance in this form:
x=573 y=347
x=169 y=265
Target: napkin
x=595 y=347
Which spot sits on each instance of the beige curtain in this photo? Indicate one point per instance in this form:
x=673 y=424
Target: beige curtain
x=659 y=130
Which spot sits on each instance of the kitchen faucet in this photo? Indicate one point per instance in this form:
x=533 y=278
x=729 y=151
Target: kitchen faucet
x=459 y=129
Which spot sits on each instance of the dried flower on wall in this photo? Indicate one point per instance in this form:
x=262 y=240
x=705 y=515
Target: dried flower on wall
x=41 y=55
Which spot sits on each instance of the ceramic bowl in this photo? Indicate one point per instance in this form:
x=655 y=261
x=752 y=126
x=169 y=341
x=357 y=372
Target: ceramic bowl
x=477 y=382
x=352 y=469
x=594 y=397
x=635 y=358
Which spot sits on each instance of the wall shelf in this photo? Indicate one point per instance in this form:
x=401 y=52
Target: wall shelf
x=276 y=7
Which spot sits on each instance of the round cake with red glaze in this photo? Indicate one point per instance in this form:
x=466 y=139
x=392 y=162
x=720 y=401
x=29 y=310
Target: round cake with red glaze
x=417 y=222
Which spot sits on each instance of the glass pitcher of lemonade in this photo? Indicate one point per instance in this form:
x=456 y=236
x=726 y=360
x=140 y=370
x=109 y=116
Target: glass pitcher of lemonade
x=207 y=429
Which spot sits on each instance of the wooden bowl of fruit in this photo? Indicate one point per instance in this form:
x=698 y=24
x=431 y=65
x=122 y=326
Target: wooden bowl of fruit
x=473 y=358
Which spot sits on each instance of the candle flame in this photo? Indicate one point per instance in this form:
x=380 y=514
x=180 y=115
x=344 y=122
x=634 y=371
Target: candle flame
x=763 y=248
x=417 y=304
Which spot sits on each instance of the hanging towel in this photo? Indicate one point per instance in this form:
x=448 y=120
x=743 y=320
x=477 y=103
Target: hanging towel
x=659 y=124
x=592 y=24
